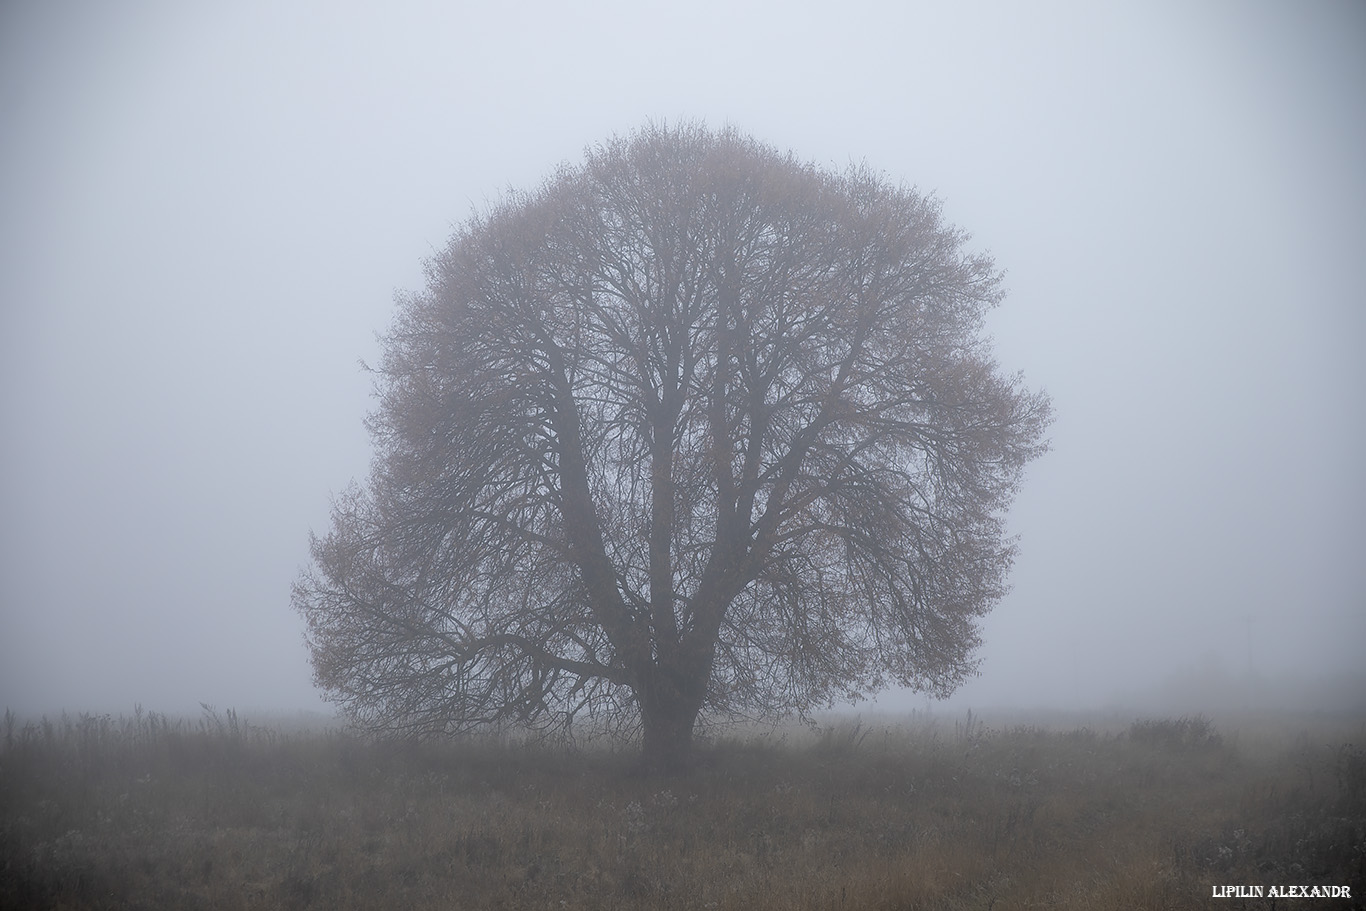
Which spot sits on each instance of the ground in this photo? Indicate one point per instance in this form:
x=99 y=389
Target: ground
x=144 y=812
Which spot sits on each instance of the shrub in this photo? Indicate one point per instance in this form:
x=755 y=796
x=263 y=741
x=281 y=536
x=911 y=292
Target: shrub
x=1189 y=732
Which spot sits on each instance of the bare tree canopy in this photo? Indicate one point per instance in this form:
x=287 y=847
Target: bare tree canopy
x=693 y=429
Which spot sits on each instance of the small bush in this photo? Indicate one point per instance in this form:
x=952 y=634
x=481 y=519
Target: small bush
x=1189 y=732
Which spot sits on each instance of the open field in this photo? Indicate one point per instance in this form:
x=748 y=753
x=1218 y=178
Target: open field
x=143 y=812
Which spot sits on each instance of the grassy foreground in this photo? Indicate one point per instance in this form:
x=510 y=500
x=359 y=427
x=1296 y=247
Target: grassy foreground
x=98 y=812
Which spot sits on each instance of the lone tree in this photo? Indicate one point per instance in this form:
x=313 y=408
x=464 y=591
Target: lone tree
x=694 y=429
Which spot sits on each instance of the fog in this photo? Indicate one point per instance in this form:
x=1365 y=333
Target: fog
x=205 y=211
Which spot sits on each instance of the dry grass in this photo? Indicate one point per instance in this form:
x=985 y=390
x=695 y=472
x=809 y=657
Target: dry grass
x=145 y=813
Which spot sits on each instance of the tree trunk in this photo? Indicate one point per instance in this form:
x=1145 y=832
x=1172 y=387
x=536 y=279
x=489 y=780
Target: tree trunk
x=671 y=696
x=667 y=743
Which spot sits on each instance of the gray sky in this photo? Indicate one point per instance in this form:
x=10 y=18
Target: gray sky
x=205 y=210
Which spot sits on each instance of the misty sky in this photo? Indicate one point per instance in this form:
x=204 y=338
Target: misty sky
x=205 y=211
